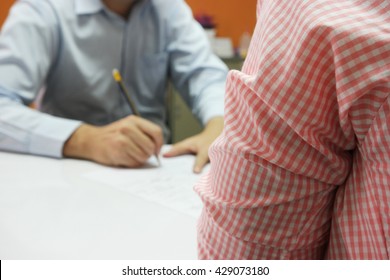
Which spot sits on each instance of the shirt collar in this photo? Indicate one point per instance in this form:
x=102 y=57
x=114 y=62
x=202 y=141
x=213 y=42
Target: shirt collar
x=83 y=7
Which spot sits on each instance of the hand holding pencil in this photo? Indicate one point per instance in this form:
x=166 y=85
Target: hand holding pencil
x=118 y=78
x=128 y=142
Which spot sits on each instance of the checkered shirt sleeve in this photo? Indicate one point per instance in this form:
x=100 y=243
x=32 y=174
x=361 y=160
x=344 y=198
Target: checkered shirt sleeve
x=305 y=154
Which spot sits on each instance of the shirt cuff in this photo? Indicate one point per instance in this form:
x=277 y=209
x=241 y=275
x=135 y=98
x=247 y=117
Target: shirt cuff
x=50 y=136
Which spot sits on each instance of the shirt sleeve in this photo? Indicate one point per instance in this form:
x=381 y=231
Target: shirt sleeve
x=196 y=72
x=361 y=220
x=28 y=47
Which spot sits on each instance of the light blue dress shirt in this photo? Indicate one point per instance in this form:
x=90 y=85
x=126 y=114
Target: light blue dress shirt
x=64 y=51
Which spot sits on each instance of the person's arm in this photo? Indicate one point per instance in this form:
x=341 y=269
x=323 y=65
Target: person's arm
x=196 y=72
x=200 y=78
x=28 y=46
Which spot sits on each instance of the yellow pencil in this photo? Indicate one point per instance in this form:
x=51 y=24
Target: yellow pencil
x=118 y=78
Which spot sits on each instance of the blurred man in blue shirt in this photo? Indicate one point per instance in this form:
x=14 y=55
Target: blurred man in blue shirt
x=66 y=50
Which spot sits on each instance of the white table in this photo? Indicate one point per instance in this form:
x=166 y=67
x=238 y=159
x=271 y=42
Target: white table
x=49 y=209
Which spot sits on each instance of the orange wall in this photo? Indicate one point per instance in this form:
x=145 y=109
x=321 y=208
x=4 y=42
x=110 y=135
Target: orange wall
x=233 y=17
x=4 y=7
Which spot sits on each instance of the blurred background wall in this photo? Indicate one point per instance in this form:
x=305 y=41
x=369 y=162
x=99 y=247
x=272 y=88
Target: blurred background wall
x=4 y=7
x=232 y=17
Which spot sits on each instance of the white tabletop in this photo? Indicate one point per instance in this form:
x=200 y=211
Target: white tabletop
x=54 y=209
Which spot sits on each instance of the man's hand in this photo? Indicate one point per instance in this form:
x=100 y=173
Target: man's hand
x=128 y=142
x=199 y=144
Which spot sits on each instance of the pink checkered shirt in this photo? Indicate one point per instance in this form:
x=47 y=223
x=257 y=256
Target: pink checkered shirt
x=302 y=168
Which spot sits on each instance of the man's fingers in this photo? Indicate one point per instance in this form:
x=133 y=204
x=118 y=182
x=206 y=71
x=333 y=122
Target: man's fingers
x=153 y=131
x=136 y=152
x=200 y=161
x=180 y=148
x=138 y=140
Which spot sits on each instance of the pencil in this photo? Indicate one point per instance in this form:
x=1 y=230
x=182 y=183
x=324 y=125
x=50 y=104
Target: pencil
x=118 y=78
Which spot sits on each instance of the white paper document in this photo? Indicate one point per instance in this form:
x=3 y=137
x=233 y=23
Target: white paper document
x=170 y=184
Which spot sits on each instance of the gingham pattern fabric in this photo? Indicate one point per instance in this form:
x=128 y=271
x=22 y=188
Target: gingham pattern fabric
x=305 y=154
